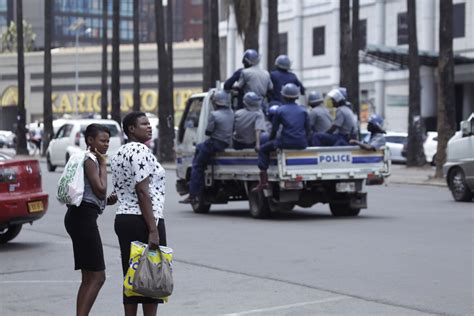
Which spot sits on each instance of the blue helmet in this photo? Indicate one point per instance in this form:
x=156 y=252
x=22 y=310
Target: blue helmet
x=376 y=120
x=221 y=98
x=252 y=100
x=283 y=62
x=315 y=98
x=251 y=57
x=271 y=111
x=290 y=91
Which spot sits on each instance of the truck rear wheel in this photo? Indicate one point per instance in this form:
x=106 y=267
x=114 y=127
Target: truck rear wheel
x=258 y=204
x=9 y=233
x=343 y=210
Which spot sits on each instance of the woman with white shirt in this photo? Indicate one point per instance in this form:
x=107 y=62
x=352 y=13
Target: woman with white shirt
x=139 y=182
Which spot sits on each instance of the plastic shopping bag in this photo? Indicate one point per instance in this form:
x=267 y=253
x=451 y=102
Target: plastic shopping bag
x=136 y=250
x=71 y=182
x=153 y=279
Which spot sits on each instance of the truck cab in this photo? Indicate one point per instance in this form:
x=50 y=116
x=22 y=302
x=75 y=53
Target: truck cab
x=459 y=166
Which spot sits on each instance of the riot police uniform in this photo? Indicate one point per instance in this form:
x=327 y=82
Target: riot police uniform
x=219 y=129
x=281 y=76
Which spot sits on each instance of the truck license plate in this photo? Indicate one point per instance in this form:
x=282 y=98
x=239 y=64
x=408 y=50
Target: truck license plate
x=35 y=206
x=345 y=187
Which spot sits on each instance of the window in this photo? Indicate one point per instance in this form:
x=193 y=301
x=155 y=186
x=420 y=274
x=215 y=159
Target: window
x=318 y=41
x=190 y=120
x=362 y=34
x=459 y=20
x=402 y=28
x=283 y=39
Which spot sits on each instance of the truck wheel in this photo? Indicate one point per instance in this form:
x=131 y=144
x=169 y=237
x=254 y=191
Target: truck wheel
x=49 y=165
x=457 y=185
x=201 y=206
x=258 y=204
x=9 y=233
x=343 y=210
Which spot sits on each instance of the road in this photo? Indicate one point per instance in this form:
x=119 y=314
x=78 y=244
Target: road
x=409 y=253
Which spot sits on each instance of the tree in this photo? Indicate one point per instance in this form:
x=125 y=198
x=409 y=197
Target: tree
x=247 y=16
x=353 y=92
x=165 y=104
x=136 y=56
x=21 y=115
x=446 y=124
x=103 y=85
x=9 y=38
x=47 y=86
x=116 y=61
x=415 y=154
x=211 y=61
x=345 y=44
x=169 y=46
x=273 y=35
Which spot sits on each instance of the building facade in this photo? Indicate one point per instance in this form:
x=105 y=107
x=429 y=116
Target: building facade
x=310 y=29
x=187 y=20
x=187 y=59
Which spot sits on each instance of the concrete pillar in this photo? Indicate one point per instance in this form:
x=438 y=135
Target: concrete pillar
x=335 y=43
x=468 y=100
x=428 y=92
x=379 y=74
x=427 y=26
x=297 y=42
x=263 y=35
x=231 y=39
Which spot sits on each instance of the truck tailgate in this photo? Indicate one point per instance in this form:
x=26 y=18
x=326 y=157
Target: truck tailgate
x=332 y=163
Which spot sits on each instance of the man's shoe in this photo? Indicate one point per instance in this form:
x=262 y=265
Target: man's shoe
x=189 y=200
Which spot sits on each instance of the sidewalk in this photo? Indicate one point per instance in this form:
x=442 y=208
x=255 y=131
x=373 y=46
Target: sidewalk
x=400 y=174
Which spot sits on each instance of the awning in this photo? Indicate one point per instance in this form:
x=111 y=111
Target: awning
x=395 y=58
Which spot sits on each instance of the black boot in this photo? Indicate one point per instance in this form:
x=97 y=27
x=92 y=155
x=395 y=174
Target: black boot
x=263 y=184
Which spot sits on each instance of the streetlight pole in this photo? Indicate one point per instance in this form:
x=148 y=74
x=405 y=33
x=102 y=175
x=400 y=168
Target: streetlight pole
x=76 y=78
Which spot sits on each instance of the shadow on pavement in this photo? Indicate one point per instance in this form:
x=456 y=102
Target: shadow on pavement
x=21 y=246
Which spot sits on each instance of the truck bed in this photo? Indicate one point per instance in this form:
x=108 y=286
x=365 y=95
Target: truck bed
x=312 y=163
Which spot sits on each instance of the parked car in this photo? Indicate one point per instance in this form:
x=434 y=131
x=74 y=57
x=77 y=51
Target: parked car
x=7 y=139
x=394 y=142
x=430 y=146
x=22 y=199
x=459 y=166
x=69 y=140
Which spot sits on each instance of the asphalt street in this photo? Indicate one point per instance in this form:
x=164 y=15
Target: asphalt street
x=409 y=253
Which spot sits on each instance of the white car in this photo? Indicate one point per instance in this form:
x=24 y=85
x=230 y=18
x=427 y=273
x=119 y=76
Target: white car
x=430 y=147
x=69 y=139
x=394 y=141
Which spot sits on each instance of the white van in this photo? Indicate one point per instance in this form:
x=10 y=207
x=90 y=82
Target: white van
x=459 y=166
x=69 y=139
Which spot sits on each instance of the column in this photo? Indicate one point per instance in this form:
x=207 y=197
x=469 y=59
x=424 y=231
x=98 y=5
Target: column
x=231 y=39
x=263 y=35
x=335 y=38
x=297 y=35
x=379 y=74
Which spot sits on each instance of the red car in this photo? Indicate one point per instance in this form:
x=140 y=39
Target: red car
x=22 y=199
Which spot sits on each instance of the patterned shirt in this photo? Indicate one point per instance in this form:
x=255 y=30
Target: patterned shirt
x=130 y=165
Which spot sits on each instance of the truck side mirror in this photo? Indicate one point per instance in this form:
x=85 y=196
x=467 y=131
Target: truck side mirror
x=466 y=128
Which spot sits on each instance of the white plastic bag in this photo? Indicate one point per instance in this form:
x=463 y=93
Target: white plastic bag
x=71 y=182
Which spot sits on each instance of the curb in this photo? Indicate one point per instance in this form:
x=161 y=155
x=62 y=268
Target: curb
x=415 y=182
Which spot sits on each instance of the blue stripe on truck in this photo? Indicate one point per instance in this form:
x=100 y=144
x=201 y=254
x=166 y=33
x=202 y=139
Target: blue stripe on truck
x=367 y=159
x=301 y=161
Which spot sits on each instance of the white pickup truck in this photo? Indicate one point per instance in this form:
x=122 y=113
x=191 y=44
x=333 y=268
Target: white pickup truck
x=334 y=175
